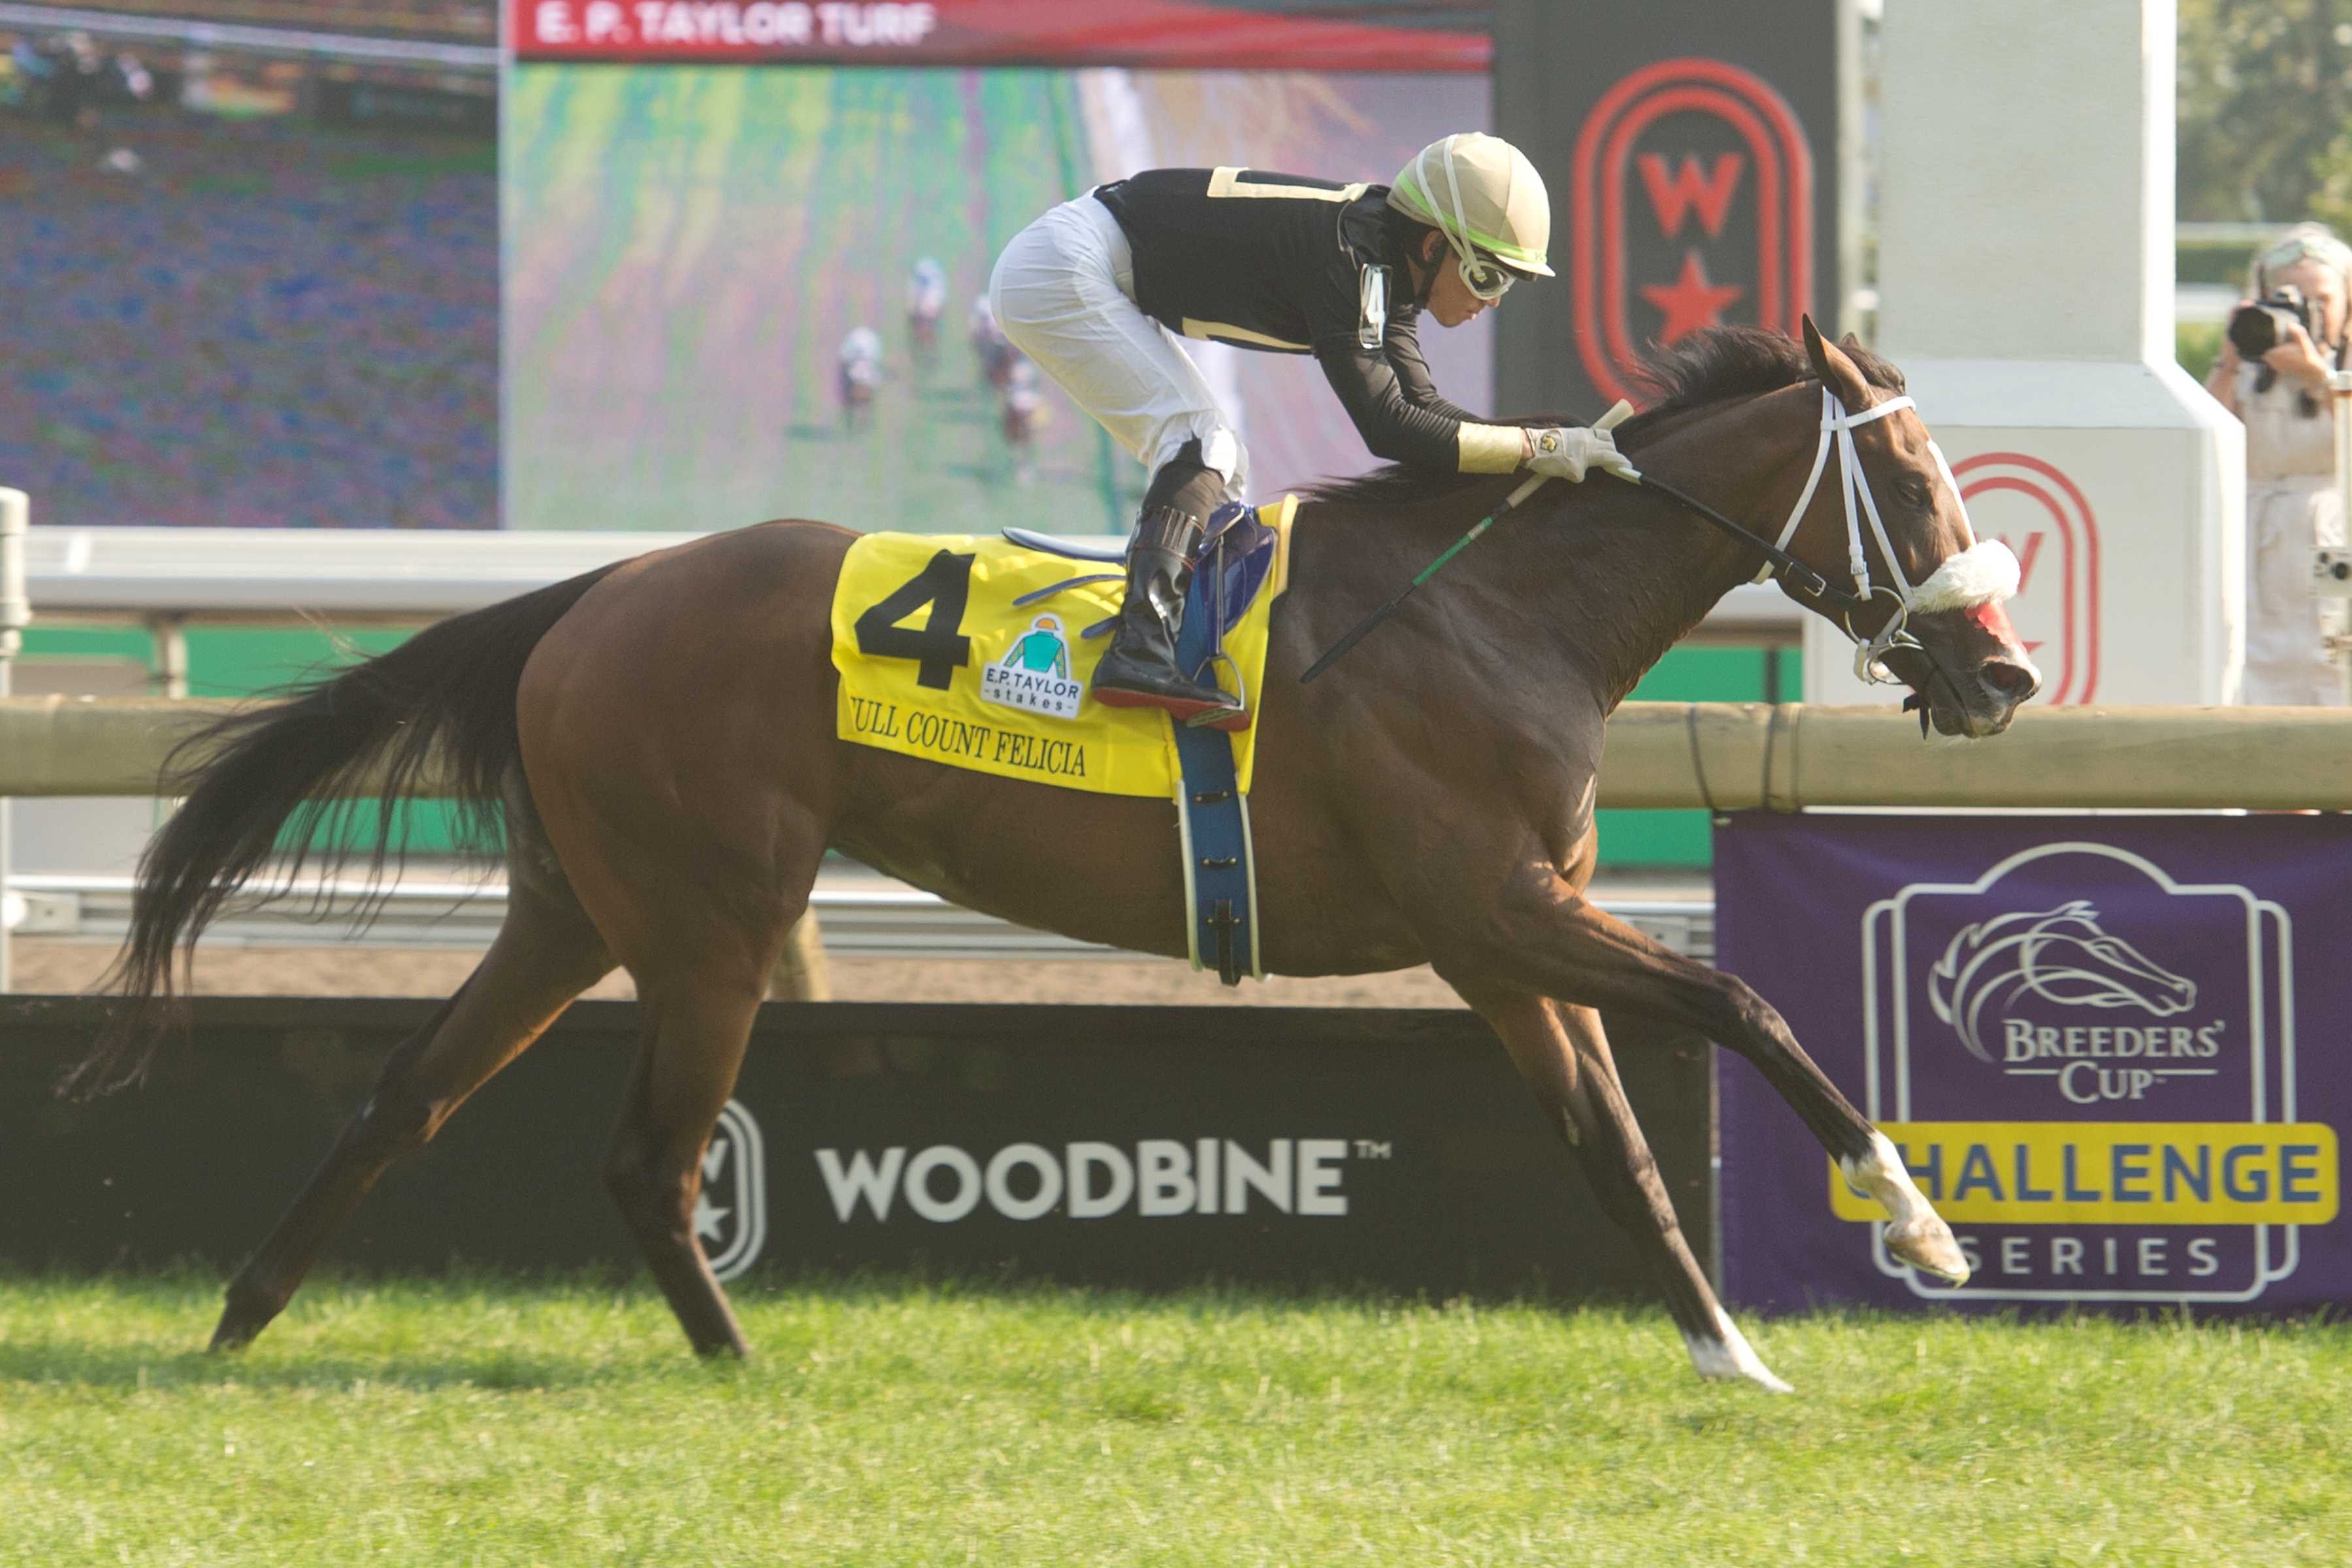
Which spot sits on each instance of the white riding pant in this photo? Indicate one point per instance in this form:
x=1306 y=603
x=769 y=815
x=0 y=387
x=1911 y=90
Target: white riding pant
x=1064 y=293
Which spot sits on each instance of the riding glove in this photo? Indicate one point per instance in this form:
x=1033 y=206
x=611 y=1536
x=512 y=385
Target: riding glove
x=1566 y=453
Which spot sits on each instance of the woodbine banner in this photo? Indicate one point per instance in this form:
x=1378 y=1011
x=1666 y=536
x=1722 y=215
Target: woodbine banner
x=2109 y=1047
x=1186 y=34
x=1139 y=1147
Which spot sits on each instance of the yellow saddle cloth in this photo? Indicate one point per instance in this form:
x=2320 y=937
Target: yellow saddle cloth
x=937 y=661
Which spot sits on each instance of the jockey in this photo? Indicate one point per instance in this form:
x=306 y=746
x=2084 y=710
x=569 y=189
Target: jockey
x=927 y=290
x=1097 y=291
x=860 y=359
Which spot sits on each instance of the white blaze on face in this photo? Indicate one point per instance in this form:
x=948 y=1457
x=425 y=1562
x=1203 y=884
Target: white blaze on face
x=1975 y=582
x=1982 y=576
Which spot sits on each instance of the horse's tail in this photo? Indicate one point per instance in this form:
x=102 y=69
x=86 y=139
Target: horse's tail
x=271 y=778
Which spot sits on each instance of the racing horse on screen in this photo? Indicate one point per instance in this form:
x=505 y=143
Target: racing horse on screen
x=653 y=749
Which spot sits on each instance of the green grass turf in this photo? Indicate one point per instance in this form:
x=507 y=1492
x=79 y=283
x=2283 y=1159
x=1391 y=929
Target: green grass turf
x=484 y=1421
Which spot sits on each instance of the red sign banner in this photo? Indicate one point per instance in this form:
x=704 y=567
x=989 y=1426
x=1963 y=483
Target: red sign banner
x=1178 y=33
x=1691 y=203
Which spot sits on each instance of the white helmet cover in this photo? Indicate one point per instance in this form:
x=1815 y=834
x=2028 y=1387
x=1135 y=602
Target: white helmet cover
x=1479 y=191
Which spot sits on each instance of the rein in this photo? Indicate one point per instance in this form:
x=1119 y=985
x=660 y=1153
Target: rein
x=1985 y=570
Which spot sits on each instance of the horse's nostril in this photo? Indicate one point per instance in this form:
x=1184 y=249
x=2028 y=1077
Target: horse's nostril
x=2010 y=679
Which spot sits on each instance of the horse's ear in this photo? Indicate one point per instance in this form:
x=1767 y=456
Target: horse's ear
x=1838 y=373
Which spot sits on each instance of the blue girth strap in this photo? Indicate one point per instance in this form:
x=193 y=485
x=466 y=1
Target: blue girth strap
x=1220 y=878
x=1220 y=873
x=1213 y=816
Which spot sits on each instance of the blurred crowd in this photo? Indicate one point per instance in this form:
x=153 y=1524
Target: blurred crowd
x=240 y=321
x=66 y=77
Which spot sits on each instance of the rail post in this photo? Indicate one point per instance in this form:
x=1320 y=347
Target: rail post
x=15 y=613
x=2339 y=642
x=799 y=974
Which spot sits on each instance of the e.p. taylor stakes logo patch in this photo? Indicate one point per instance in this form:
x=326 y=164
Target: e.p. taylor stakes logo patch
x=1034 y=673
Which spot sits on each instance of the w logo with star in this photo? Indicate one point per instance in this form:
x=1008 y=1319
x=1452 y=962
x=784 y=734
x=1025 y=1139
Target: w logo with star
x=1692 y=205
x=731 y=1213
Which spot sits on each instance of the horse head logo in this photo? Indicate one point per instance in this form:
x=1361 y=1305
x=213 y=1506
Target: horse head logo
x=2059 y=955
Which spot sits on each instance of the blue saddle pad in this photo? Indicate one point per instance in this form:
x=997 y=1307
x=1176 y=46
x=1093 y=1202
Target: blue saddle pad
x=1234 y=563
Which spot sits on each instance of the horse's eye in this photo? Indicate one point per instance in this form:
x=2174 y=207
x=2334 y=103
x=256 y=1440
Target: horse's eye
x=1913 y=490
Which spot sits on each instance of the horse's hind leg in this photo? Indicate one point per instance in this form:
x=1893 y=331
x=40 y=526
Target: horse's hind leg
x=697 y=1023
x=545 y=955
x=707 y=941
x=1546 y=937
x=1563 y=1052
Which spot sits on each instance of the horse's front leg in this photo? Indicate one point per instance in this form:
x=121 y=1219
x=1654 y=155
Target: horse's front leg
x=1563 y=1052
x=1543 y=936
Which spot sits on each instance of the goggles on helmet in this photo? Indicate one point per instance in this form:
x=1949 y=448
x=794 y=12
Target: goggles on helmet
x=1481 y=274
x=1484 y=276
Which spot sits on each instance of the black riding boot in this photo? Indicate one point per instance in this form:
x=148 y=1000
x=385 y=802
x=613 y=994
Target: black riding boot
x=1140 y=668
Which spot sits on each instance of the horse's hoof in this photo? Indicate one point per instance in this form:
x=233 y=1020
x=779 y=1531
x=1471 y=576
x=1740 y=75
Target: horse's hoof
x=248 y=1311
x=1928 y=1246
x=228 y=1337
x=1916 y=1233
x=1727 y=1357
x=1758 y=1373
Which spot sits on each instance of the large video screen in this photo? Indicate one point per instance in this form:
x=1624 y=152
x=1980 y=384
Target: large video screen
x=236 y=299
x=689 y=248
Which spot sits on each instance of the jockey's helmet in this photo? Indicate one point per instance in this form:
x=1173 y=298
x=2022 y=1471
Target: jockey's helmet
x=1487 y=200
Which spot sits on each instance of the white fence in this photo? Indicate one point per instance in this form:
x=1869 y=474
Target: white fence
x=282 y=43
x=864 y=921
x=251 y=575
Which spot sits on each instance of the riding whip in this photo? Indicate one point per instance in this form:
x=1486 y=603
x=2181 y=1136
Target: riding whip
x=1618 y=413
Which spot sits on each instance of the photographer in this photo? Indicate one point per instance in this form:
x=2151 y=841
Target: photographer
x=2272 y=375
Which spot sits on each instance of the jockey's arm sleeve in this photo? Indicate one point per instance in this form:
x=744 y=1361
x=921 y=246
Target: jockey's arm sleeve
x=1397 y=429
x=1481 y=448
x=1402 y=345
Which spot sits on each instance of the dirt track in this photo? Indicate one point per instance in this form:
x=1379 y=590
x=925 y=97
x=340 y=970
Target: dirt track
x=64 y=967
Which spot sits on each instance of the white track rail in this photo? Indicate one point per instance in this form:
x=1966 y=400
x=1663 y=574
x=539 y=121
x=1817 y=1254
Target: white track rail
x=289 y=43
x=867 y=922
x=249 y=576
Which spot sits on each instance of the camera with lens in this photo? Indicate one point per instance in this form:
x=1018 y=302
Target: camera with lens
x=2258 y=328
x=2331 y=574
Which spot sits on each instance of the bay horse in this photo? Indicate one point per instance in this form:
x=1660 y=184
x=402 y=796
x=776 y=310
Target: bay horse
x=657 y=739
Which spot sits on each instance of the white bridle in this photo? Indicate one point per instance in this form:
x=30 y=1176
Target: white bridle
x=1984 y=573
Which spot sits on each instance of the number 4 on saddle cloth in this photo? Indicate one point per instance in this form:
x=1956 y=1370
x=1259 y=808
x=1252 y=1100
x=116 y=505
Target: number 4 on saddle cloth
x=975 y=653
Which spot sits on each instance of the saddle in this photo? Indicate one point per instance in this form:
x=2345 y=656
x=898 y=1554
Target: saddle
x=1229 y=570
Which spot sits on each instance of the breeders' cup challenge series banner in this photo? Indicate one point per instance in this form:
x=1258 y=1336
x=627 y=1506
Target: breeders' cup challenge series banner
x=2107 y=1047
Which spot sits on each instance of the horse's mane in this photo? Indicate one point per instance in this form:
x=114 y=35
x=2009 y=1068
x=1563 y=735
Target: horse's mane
x=1713 y=364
